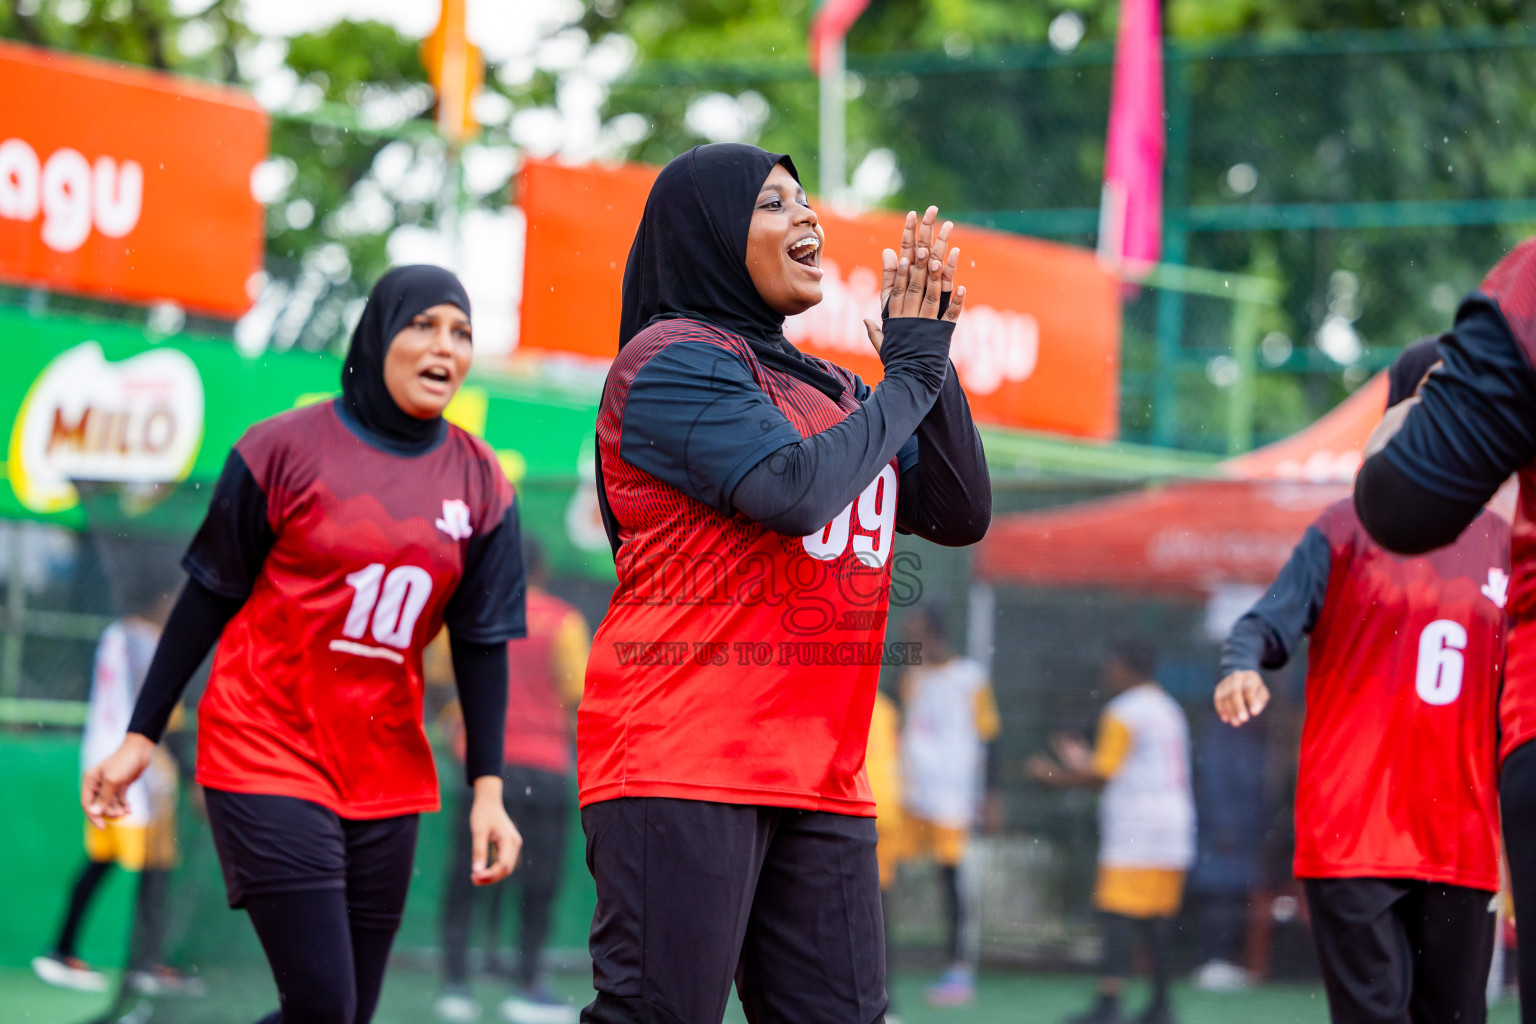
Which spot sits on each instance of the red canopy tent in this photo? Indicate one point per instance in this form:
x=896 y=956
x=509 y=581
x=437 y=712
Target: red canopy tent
x=1192 y=537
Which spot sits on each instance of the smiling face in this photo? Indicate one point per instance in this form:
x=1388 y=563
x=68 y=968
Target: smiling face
x=784 y=246
x=428 y=360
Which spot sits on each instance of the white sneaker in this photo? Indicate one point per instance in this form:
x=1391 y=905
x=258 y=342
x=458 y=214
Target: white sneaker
x=165 y=981
x=537 y=1007
x=69 y=972
x=1221 y=976
x=456 y=1008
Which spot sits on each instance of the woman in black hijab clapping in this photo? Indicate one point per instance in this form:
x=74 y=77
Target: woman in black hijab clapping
x=340 y=538
x=752 y=495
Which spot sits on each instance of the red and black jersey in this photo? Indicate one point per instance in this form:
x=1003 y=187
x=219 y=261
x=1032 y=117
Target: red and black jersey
x=353 y=556
x=735 y=664
x=1398 y=770
x=1475 y=425
x=538 y=731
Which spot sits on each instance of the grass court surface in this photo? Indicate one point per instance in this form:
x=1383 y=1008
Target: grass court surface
x=1001 y=998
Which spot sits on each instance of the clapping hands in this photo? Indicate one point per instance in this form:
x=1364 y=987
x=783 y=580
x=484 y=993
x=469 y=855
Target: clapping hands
x=916 y=281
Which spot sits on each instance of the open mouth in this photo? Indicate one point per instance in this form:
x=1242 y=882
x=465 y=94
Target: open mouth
x=806 y=251
x=435 y=375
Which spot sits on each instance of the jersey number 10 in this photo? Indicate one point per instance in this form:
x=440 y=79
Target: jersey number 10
x=392 y=603
x=1441 y=663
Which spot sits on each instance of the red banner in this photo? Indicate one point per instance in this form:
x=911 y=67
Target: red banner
x=127 y=184
x=1038 y=346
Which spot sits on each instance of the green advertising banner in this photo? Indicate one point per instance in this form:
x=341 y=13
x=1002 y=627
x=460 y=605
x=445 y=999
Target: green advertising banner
x=106 y=425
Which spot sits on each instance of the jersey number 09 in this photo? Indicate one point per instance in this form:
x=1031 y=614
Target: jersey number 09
x=1441 y=662
x=392 y=608
x=876 y=507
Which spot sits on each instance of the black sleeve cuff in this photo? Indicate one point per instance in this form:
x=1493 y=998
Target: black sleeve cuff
x=1245 y=646
x=194 y=626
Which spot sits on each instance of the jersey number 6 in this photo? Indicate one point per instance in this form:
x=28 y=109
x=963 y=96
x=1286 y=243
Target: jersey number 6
x=1441 y=663
x=393 y=608
x=877 y=525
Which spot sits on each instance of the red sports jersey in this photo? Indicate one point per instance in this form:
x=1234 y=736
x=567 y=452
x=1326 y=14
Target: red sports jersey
x=1513 y=284
x=1398 y=776
x=538 y=722
x=316 y=689
x=1517 y=708
x=735 y=664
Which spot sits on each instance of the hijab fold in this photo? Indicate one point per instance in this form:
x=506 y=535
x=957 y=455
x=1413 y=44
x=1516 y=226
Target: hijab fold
x=689 y=257
x=399 y=295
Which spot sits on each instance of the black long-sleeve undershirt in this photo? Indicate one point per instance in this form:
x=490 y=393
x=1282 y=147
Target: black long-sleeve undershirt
x=480 y=674
x=1474 y=425
x=194 y=626
x=947 y=497
x=1270 y=631
x=802 y=486
x=695 y=417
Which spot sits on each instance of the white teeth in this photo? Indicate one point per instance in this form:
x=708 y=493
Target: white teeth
x=800 y=247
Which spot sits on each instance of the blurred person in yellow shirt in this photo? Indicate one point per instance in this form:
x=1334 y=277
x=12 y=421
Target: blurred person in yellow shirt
x=143 y=841
x=1140 y=761
x=949 y=718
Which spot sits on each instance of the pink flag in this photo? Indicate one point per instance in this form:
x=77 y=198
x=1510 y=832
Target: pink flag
x=1131 y=214
x=831 y=21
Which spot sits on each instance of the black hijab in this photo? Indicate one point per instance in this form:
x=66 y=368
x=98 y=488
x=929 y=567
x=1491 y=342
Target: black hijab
x=1409 y=368
x=689 y=258
x=398 y=296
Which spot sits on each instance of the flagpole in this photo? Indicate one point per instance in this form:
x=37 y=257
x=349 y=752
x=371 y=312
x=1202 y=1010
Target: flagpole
x=834 y=109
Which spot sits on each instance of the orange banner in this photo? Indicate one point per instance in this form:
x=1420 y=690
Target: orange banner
x=1038 y=346
x=127 y=184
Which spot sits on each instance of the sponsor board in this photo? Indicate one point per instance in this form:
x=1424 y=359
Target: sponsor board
x=136 y=421
x=1037 y=348
x=127 y=184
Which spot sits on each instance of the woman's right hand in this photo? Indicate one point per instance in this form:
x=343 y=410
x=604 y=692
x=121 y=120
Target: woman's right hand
x=104 y=791
x=922 y=243
x=1241 y=696
x=914 y=281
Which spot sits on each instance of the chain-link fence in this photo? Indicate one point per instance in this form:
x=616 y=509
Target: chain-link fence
x=1375 y=176
x=1350 y=188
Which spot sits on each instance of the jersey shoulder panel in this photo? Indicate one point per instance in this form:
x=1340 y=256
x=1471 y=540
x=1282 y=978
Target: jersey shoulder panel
x=265 y=443
x=971 y=673
x=1511 y=284
x=1494 y=529
x=1340 y=524
x=663 y=333
x=846 y=377
x=283 y=451
x=1123 y=705
x=492 y=492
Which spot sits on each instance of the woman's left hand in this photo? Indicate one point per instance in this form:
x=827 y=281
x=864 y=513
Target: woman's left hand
x=491 y=832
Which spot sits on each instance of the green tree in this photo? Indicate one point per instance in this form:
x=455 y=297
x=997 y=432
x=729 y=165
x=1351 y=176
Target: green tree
x=986 y=120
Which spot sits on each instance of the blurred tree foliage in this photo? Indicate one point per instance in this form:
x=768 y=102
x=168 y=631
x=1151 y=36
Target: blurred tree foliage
x=969 y=105
x=360 y=160
x=983 y=117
